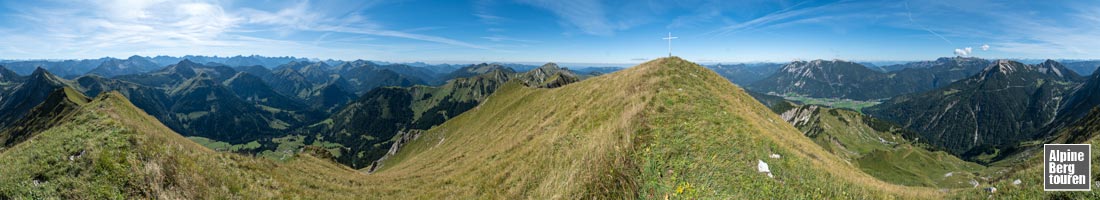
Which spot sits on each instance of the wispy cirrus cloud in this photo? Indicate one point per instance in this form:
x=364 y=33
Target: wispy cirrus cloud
x=94 y=29
x=1054 y=33
x=500 y=38
x=909 y=14
x=791 y=13
x=301 y=18
x=599 y=18
x=484 y=12
x=1033 y=30
x=586 y=15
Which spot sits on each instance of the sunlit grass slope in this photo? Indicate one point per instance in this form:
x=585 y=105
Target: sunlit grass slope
x=665 y=128
x=879 y=148
x=110 y=149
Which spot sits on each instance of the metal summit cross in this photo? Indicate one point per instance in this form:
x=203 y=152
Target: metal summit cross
x=669 y=38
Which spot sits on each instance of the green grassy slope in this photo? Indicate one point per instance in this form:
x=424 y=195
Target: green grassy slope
x=666 y=128
x=879 y=148
x=112 y=150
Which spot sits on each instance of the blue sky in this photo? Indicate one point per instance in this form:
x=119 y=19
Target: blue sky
x=585 y=31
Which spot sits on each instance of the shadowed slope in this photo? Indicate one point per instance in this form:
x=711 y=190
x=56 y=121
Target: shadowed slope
x=57 y=105
x=21 y=99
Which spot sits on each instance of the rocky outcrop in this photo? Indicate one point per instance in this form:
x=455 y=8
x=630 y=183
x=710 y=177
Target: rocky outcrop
x=403 y=138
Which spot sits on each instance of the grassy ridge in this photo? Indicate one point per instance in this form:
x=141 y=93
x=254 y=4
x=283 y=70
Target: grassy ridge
x=663 y=128
x=666 y=128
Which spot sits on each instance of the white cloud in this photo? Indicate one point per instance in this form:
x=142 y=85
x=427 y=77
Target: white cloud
x=985 y=47
x=963 y=52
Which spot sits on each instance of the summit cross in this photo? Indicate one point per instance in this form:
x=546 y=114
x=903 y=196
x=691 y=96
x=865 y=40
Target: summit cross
x=669 y=38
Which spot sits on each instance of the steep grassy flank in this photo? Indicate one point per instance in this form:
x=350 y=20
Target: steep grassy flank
x=112 y=150
x=1027 y=166
x=879 y=148
x=665 y=128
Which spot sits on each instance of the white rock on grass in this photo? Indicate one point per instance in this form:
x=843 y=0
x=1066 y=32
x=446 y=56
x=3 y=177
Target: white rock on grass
x=948 y=174
x=776 y=156
x=761 y=166
x=1016 y=182
x=974 y=182
x=991 y=189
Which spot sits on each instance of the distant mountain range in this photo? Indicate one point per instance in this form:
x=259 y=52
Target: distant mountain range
x=745 y=74
x=368 y=126
x=976 y=109
x=1007 y=103
x=256 y=104
x=213 y=100
x=849 y=80
x=1082 y=67
x=132 y=65
x=110 y=67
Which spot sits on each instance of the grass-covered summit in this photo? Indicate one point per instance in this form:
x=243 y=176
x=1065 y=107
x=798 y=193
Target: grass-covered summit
x=665 y=128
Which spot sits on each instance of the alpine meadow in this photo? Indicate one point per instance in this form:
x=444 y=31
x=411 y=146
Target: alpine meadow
x=549 y=99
